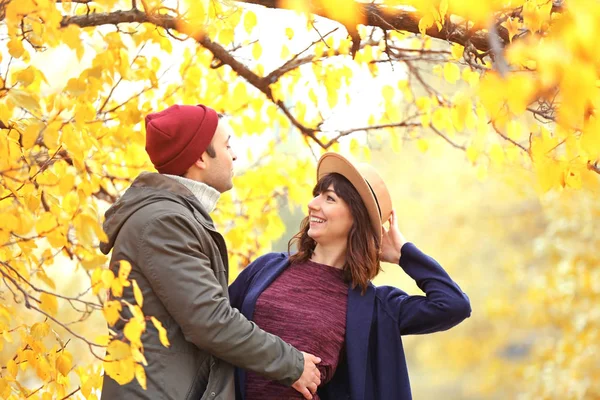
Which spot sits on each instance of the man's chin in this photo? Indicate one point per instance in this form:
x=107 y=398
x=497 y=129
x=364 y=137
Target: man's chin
x=226 y=188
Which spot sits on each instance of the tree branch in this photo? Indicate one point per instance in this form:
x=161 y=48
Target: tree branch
x=403 y=124
x=402 y=20
x=593 y=167
x=440 y=134
x=375 y=15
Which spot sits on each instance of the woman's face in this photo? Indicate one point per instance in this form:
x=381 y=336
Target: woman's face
x=330 y=218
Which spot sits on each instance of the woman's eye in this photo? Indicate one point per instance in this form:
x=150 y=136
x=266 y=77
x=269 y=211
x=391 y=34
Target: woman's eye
x=330 y=198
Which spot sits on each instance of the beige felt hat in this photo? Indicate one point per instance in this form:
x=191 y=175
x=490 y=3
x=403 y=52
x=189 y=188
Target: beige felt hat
x=366 y=181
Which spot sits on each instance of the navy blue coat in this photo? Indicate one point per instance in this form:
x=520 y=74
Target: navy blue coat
x=374 y=367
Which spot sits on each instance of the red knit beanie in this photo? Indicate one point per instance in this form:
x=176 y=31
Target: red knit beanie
x=177 y=137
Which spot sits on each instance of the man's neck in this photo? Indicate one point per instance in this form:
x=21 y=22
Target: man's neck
x=206 y=195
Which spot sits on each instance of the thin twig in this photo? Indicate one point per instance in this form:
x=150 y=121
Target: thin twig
x=440 y=134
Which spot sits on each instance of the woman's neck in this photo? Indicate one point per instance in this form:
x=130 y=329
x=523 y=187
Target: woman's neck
x=332 y=255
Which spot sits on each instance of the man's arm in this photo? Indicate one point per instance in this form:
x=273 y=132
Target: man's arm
x=181 y=276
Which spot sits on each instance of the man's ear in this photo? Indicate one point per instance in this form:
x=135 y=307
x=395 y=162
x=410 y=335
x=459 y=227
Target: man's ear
x=200 y=163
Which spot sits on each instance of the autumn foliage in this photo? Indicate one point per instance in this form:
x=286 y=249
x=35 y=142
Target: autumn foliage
x=512 y=86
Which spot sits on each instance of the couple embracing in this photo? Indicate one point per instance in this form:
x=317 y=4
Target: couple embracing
x=307 y=323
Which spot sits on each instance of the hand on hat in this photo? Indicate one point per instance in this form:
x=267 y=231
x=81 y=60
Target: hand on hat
x=392 y=241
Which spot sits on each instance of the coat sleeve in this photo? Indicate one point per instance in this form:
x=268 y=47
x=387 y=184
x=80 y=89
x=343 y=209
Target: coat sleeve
x=443 y=306
x=181 y=276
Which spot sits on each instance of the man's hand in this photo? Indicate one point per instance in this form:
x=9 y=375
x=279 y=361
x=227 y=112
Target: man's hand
x=311 y=377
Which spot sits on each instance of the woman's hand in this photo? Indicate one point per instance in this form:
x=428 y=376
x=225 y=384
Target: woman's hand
x=392 y=241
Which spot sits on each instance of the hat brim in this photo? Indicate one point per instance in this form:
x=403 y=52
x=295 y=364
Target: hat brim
x=335 y=163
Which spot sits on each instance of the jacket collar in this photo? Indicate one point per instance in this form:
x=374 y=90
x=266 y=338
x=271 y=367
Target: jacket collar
x=153 y=180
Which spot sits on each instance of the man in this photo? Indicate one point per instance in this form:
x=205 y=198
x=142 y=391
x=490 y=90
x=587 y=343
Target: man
x=161 y=225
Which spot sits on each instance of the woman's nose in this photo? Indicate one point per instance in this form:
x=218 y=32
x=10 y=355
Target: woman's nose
x=314 y=204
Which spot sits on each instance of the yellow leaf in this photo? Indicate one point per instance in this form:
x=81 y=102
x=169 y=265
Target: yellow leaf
x=195 y=12
x=102 y=340
x=26 y=100
x=422 y=145
x=226 y=36
x=15 y=47
x=31 y=134
x=471 y=77
x=133 y=331
x=48 y=303
x=64 y=363
x=256 y=51
x=472 y=154
x=5 y=388
x=515 y=130
x=387 y=92
x=12 y=368
x=344 y=11
x=124 y=270
x=572 y=179
x=112 y=310
x=512 y=26
x=118 y=350
x=107 y=277
x=457 y=51
x=51 y=136
x=116 y=288
x=138 y=356
x=289 y=32
x=425 y=23
x=332 y=98
x=162 y=332
x=249 y=21
x=122 y=371
x=39 y=330
x=136 y=311
x=140 y=375
x=441 y=120
x=590 y=142
x=43 y=368
x=137 y=293
x=451 y=72
x=443 y=9
x=25 y=76
x=45 y=223
x=41 y=275
x=496 y=154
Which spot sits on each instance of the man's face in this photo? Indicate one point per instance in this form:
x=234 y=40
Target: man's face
x=219 y=170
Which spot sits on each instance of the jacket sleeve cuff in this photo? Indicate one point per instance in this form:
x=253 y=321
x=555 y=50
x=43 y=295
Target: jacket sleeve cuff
x=407 y=252
x=298 y=369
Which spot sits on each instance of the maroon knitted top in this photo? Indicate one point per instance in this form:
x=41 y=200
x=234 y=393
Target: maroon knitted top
x=306 y=307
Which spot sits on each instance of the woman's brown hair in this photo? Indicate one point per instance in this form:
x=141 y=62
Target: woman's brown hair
x=363 y=250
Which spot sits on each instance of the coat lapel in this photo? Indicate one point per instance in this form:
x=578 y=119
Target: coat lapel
x=359 y=316
x=259 y=283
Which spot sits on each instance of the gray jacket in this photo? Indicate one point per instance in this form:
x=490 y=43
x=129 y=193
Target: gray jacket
x=180 y=263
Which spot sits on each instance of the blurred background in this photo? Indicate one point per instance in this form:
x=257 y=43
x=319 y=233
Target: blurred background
x=491 y=158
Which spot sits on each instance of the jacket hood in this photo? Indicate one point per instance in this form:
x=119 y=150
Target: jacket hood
x=148 y=188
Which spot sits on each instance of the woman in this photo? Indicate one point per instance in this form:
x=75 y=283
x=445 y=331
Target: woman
x=321 y=300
